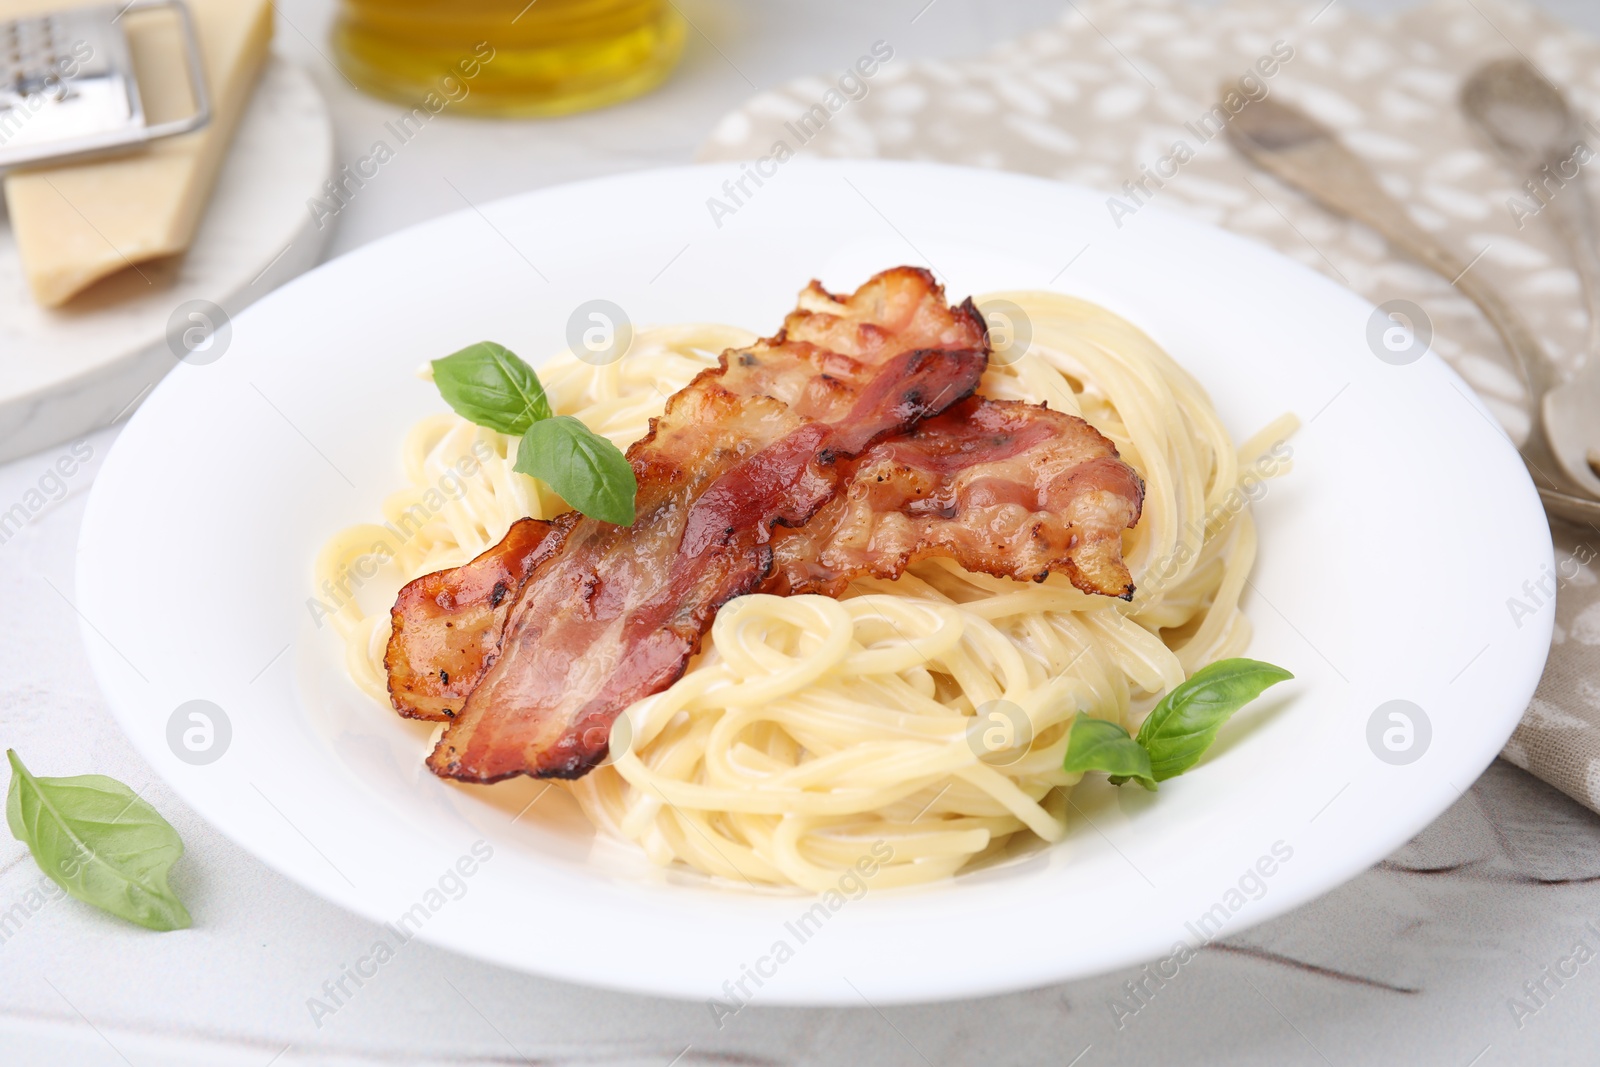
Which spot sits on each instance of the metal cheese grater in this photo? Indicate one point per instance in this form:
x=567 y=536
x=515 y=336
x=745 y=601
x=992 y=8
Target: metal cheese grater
x=67 y=84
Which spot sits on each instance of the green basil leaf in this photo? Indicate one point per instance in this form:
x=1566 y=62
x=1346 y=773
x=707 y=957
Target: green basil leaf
x=96 y=839
x=1098 y=745
x=588 y=471
x=1186 y=722
x=488 y=385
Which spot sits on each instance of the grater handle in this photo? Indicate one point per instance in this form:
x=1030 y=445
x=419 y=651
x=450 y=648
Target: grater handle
x=197 y=71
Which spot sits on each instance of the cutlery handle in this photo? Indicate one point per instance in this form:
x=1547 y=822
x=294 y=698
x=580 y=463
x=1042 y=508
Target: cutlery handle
x=1339 y=180
x=1573 y=213
x=1580 y=510
x=1360 y=197
x=1537 y=369
x=1388 y=216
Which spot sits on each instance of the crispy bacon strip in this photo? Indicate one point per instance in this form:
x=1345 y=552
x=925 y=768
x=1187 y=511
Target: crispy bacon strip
x=447 y=625
x=1001 y=487
x=614 y=614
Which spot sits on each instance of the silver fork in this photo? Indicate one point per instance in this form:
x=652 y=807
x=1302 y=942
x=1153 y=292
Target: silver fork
x=1529 y=121
x=1302 y=152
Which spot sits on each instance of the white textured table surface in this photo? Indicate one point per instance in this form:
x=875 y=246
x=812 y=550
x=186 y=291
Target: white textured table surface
x=1418 y=961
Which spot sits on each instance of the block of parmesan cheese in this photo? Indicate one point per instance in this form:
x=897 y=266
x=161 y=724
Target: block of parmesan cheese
x=77 y=223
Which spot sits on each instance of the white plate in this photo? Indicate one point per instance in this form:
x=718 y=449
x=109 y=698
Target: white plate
x=1387 y=559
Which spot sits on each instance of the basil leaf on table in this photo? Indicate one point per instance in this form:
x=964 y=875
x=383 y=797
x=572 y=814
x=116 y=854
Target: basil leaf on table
x=585 y=469
x=96 y=839
x=1181 y=727
x=1098 y=745
x=488 y=385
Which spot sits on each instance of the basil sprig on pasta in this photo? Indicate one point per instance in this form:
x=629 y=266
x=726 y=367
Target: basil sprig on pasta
x=96 y=839
x=1098 y=745
x=488 y=385
x=1177 y=732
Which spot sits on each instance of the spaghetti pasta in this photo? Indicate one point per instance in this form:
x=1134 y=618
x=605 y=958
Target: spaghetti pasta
x=929 y=713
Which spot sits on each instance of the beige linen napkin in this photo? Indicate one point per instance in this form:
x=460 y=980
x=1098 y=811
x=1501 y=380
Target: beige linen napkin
x=1105 y=97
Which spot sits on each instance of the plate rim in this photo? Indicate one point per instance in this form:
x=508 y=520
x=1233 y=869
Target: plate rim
x=924 y=991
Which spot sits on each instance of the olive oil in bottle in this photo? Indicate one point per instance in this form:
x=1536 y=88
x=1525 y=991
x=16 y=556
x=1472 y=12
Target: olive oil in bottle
x=509 y=57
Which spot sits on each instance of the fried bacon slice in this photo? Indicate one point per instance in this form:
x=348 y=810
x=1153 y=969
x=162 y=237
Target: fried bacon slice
x=446 y=626
x=614 y=614
x=1001 y=487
